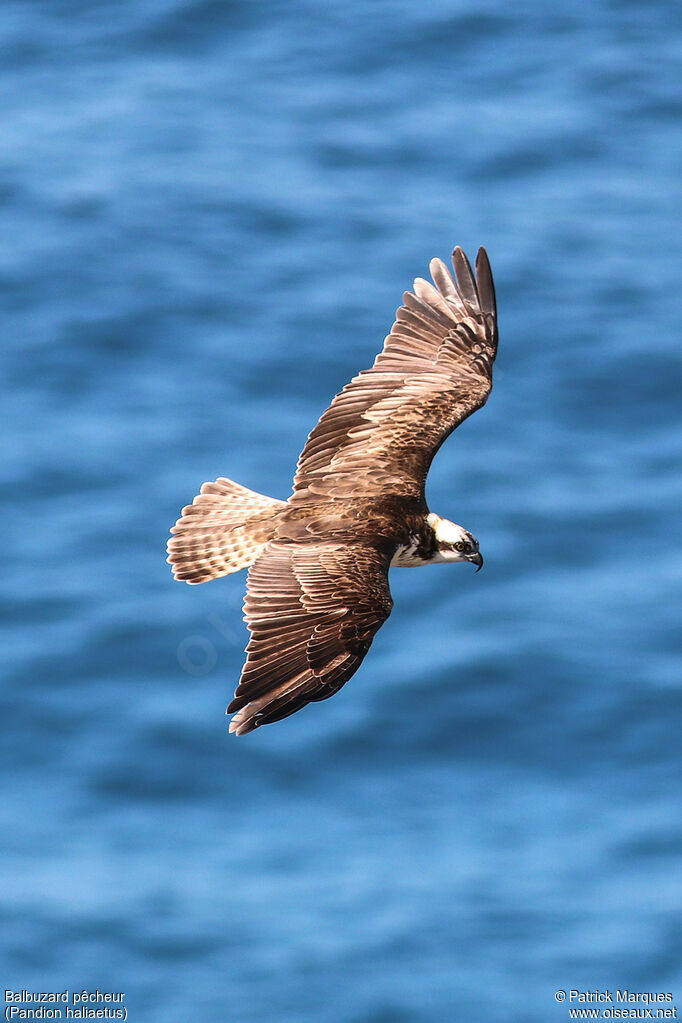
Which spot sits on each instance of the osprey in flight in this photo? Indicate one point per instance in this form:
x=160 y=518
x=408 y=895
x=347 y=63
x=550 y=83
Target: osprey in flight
x=317 y=589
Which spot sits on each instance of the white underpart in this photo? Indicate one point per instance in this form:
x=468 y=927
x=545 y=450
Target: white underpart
x=405 y=557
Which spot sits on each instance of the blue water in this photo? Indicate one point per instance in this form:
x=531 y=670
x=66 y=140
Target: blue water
x=211 y=210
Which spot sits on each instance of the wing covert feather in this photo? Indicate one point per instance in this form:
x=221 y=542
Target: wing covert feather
x=312 y=610
x=380 y=434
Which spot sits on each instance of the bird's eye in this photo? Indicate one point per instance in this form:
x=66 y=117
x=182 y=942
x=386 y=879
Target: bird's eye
x=461 y=546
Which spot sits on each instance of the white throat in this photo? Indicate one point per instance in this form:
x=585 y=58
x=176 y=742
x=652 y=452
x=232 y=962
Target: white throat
x=406 y=557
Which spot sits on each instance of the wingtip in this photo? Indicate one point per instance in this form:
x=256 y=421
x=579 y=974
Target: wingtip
x=482 y=261
x=460 y=256
x=479 y=284
x=465 y=277
x=437 y=264
x=485 y=283
x=459 y=253
x=241 y=723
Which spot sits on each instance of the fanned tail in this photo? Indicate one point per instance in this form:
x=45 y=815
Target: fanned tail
x=224 y=529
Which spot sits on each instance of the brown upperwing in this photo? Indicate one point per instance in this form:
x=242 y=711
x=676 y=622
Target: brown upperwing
x=313 y=610
x=380 y=434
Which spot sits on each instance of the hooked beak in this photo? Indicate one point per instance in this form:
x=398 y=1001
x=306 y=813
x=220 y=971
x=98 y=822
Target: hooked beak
x=476 y=559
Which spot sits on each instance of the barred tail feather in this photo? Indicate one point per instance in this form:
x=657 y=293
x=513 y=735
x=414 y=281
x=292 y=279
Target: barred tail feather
x=224 y=529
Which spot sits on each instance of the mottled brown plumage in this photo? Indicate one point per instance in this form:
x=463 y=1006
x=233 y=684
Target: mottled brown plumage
x=379 y=435
x=317 y=589
x=312 y=609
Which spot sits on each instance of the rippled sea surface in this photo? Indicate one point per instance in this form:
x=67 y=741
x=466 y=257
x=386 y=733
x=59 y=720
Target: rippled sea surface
x=211 y=210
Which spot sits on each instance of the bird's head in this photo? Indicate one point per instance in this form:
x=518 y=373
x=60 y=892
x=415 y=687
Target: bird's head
x=453 y=542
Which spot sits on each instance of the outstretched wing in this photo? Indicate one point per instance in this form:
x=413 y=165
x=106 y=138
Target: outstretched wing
x=380 y=434
x=312 y=610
